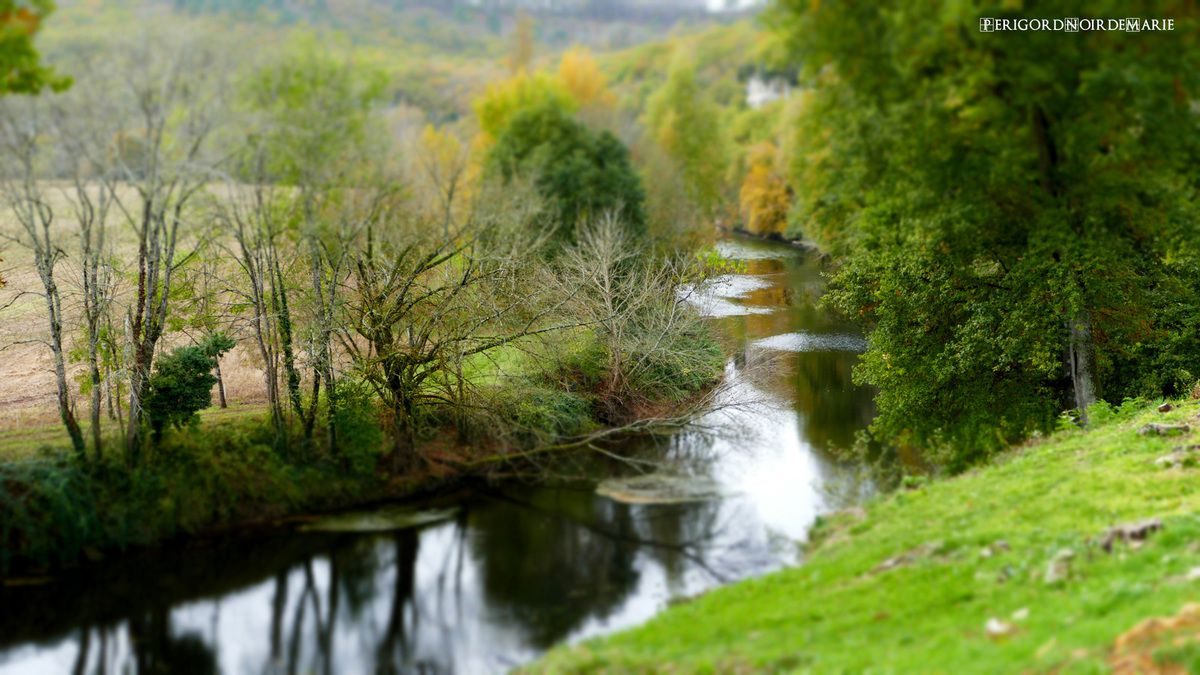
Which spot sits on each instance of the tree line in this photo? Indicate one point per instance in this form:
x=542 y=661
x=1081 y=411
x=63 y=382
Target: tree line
x=175 y=204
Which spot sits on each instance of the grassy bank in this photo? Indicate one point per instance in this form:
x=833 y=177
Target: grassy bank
x=230 y=469
x=1003 y=569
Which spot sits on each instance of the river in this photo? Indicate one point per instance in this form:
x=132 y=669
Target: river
x=515 y=570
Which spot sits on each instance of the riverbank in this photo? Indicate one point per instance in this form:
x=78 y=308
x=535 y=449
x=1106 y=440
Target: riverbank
x=1014 y=565
x=230 y=472
x=805 y=245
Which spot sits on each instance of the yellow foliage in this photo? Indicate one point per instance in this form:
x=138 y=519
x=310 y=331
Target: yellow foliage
x=581 y=77
x=764 y=198
x=503 y=99
x=448 y=172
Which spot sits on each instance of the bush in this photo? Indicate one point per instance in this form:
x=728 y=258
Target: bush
x=360 y=434
x=182 y=384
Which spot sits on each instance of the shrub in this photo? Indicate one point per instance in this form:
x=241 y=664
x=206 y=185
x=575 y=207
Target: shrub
x=182 y=384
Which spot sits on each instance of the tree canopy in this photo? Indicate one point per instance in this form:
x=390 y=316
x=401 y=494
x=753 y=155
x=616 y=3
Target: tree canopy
x=1016 y=211
x=21 y=67
x=580 y=173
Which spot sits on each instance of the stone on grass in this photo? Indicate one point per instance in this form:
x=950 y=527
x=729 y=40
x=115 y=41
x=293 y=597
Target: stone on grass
x=1130 y=533
x=1164 y=429
x=1183 y=455
x=998 y=628
x=1058 y=569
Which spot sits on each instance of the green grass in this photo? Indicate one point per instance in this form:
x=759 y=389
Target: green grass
x=837 y=613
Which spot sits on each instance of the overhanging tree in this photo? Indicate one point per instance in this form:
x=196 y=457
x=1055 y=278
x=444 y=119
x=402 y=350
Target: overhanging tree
x=1009 y=206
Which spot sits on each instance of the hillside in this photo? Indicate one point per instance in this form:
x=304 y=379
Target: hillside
x=1013 y=563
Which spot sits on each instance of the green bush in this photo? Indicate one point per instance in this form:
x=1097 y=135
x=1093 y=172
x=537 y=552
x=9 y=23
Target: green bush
x=360 y=435
x=182 y=384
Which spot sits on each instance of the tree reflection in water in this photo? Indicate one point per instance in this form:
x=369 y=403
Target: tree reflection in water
x=515 y=572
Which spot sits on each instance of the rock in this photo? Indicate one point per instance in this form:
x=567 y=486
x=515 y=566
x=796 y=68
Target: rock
x=1183 y=455
x=1059 y=567
x=380 y=520
x=1130 y=533
x=995 y=548
x=1164 y=429
x=925 y=550
x=998 y=628
x=654 y=488
x=1165 y=408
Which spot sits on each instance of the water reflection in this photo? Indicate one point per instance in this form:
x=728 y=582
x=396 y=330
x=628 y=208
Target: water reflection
x=518 y=570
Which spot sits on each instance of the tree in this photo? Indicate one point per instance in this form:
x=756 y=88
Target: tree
x=686 y=123
x=21 y=69
x=579 y=173
x=313 y=135
x=764 y=198
x=1008 y=205
x=503 y=100
x=164 y=113
x=421 y=305
x=21 y=132
x=583 y=80
x=182 y=384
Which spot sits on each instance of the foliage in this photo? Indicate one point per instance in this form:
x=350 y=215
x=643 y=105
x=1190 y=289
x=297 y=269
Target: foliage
x=764 y=198
x=311 y=106
x=502 y=100
x=970 y=548
x=581 y=77
x=182 y=384
x=579 y=173
x=360 y=432
x=53 y=510
x=21 y=68
x=685 y=121
x=1006 y=206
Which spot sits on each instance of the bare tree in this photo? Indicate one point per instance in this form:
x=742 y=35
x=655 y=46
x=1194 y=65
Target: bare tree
x=170 y=112
x=23 y=127
x=638 y=304
x=91 y=202
x=420 y=305
x=255 y=217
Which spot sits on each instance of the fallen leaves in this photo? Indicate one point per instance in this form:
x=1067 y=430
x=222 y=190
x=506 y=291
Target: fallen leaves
x=1147 y=647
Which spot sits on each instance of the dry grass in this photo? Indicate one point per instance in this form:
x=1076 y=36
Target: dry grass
x=28 y=411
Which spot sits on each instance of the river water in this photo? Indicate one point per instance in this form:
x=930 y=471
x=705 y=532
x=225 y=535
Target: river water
x=515 y=570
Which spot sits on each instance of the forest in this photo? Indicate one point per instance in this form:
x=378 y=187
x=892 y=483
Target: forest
x=640 y=302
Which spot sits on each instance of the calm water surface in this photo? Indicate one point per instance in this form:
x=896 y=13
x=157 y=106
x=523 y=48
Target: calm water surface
x=517 y=570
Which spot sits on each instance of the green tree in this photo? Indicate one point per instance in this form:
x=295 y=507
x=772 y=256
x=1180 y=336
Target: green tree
x=182 y=384
x=1010 y=206
x=581 y=174
x=686 y=123
x=21 y=68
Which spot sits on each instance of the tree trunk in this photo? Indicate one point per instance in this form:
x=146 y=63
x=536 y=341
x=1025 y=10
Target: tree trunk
x=220 y=384
x=97 y=403
x=1082 y=361
x=60 y=370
